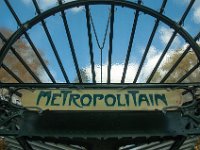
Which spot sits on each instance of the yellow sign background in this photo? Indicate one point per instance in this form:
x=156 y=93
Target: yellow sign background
x=101 y=99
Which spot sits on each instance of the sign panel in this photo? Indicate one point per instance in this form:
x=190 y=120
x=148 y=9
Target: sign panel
x=102 y=99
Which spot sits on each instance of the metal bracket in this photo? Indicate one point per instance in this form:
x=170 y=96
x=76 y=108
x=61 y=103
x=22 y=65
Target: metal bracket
x=9 y=115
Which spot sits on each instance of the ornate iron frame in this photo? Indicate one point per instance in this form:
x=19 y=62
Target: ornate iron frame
x=176 y=125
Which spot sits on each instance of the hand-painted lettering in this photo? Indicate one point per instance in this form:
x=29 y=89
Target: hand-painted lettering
x=70 y=98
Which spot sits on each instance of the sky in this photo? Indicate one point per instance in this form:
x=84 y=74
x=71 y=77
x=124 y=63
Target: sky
x=122 y=28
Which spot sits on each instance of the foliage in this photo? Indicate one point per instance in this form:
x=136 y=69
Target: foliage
x=25 y=51
x=84 y=77
x=184 y=66
x=3 y=145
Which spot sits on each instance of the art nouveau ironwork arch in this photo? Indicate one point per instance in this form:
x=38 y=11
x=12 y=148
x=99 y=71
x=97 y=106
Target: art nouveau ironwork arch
x=24 y=27
x=176 y=124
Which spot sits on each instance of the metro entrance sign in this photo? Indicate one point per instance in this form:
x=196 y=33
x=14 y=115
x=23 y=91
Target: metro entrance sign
x=102 y=99
x=112 y=116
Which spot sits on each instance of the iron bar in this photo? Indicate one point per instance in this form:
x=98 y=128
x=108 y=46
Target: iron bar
x=170 y=41
x=101 y=53
x=67 y=30
x=162 y=56
x=178 y=142
x=105 y=85
x=164 y=145
x=189 y=72
x=21 y=60
x=179 y=60
x=13 y=12
x=186 y=12
x=8 y=133
x=11 y=73
x=40 y=58
x=55 y=51
x=101 y=46
x=51 y=43
x=149 y=42
x=130 y=42
x=29 y=40
x=143 y=146
x=24 y=144
x=90 y=43
x=189 y=147
x=110 y=42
